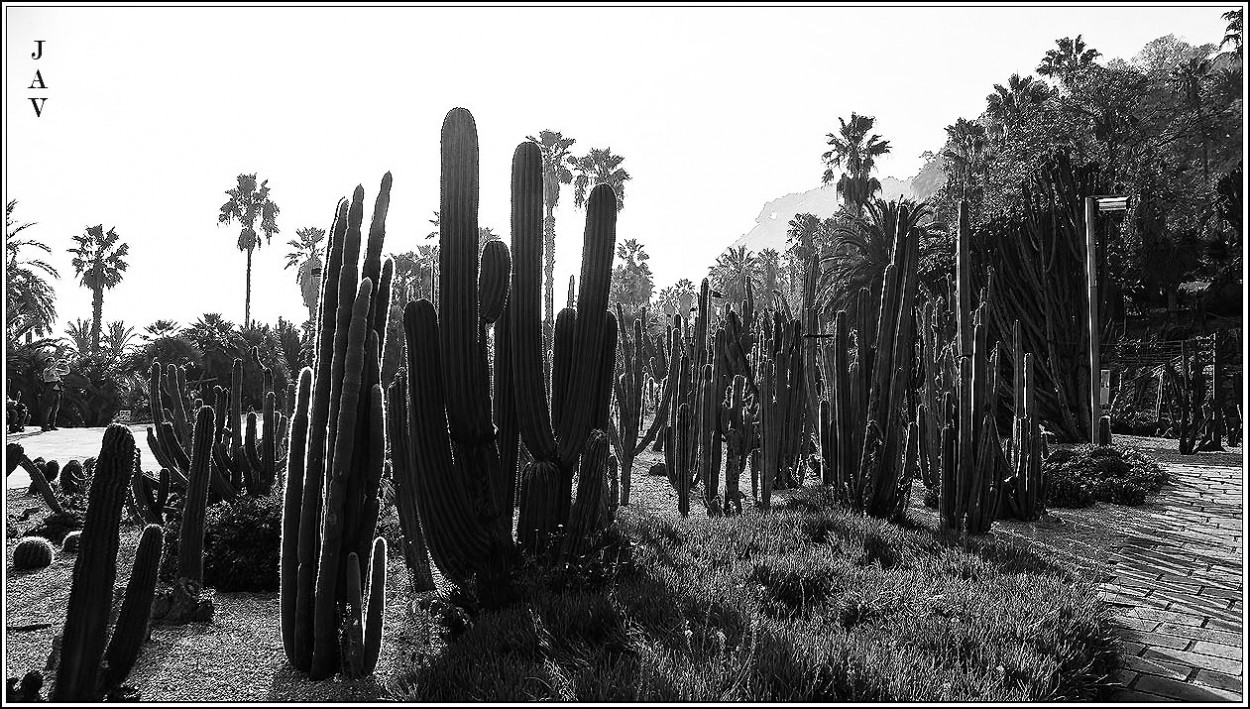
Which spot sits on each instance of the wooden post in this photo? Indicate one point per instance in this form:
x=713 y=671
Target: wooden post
x=1091 y=277
x=1217 y=391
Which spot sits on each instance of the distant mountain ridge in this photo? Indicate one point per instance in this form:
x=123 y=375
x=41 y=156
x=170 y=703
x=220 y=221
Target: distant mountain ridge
x=773 y=221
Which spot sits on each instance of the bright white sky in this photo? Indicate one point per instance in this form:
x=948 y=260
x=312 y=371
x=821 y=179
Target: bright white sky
x=151 y=113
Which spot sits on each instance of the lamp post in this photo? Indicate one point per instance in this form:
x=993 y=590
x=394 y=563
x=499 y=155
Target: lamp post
x=1094 y=205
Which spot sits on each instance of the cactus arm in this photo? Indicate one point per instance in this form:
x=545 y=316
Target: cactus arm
x=468 y=406
x=132 y=621
x=372 y=266
x=561 y=366
x=598 y=248
x=525 y=304
x=348 y=282
x=445 y=511
x=41 y=484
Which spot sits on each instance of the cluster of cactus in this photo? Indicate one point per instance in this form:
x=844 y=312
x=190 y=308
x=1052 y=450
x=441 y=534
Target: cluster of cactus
x=870 y=444
x=455 y=461
x=739 y=419
x=88 y=663
x=244 y=460
x=337 y=454
x=781 y=400
x=1024 y=492
x=33 y=553
x=16 y=457
x=628 y=385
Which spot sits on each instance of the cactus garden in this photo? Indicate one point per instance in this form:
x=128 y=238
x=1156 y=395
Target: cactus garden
x=971 y=436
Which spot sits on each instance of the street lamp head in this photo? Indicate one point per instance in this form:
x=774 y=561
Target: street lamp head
x=1112 y=203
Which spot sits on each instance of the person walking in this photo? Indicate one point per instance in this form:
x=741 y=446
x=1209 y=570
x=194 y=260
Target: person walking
x=53 y=370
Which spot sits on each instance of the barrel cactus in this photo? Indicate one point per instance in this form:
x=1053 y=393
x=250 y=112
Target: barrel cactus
x=33 y=553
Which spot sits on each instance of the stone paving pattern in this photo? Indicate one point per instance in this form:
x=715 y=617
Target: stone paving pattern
x=1176 y=584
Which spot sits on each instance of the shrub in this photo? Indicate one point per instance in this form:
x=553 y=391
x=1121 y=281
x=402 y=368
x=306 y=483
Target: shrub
x=55 y=526
x=1078 y=477
x=241 y=544
x=33 y=553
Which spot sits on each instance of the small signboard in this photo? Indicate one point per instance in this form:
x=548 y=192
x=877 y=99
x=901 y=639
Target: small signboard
x=1104 y=391
x=122 y=416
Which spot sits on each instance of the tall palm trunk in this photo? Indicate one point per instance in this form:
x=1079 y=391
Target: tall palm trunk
x=247 y=304
x=97 y=315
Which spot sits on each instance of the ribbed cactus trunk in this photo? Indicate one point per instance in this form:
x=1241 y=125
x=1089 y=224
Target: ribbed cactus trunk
x=191 y=533
x=330 y=503
x=627 y=412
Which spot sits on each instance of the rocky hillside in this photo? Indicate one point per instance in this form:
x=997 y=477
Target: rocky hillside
x=772 y=223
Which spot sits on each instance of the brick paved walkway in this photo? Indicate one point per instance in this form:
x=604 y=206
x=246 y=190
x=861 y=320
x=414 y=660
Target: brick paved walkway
x=1177 y=583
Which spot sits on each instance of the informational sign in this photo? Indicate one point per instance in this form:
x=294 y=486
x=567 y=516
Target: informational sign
x=122 y=416
x=1104 y=391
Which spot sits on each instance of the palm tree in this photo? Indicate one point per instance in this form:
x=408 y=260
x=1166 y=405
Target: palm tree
x=862 y=252
x=305 y=259
x=770 y=266
x=249 y=202
x=1068 y=60
x=159 y=329
x=554 y=148
x=99 y=261
x=731 y=273
x=854 y=150
x=30 y=304
x=669 y=298
x=1189 y=78
x=966 y=154
x=1233 y=32
x=1007 y=104
x=598 y=167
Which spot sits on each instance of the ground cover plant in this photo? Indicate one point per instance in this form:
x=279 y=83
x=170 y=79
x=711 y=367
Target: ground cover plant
x=808 y=603
x=1081 y=476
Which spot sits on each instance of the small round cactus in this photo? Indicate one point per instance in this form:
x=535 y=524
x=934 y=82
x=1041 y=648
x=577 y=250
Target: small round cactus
x=51 y=469
x=88 y=465
x=72 y=477
x=70 y=545
x=33 y=553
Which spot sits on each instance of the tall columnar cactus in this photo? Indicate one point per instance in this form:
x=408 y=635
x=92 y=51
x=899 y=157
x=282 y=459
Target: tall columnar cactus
x=1024 y=493
x=781 y=404
x=90 y=665
x=150 y=496
x=883 y=465
x=583 y=359
x=973 y=461
x=627 y=420
x=458 y=479
x=191 y=533
x=330 y=504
